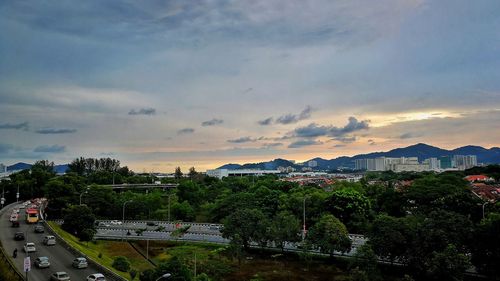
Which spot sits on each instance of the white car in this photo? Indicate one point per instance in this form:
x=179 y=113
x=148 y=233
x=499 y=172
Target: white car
x=96 y=277
x=115 y=222
x=29 y=247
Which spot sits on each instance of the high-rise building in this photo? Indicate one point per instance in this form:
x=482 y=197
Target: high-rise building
x=312 y=163
x=446 y=162
x=463 y=162
x=433 y=163
x=3 y=168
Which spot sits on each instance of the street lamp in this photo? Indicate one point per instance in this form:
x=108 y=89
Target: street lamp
x=166 y=275
x=123 y=216
x=81 y=194
x=304 y=218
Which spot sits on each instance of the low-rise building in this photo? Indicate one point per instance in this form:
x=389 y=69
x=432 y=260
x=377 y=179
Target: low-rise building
x=221 y=173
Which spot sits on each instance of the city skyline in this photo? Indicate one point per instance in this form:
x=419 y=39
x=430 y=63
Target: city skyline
x=207 y=83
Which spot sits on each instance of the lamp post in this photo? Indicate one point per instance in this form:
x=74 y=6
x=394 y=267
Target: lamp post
x=81 y=194
x=304 y=218
x=166 y=275
x=484 y=204
x=123 y=216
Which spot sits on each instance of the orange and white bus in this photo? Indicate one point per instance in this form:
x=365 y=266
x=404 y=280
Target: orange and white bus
x=31 y=215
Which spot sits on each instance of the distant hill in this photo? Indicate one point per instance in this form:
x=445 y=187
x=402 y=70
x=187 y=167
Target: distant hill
x=420 y=150
x=59 y=169
x=19 y=166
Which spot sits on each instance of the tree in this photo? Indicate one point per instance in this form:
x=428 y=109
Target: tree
x=178 y=173
x=366 y=260
x=486 y=248
x=350 y=206
x=285 y=227
x=329 y=234
x=449 y=264
x=247 y=225
x=192 y=172
x=121 y=263
x=77 y=219
x=388 y=237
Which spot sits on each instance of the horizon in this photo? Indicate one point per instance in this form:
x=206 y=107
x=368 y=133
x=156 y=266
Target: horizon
x=158 y=85
x=186 y=168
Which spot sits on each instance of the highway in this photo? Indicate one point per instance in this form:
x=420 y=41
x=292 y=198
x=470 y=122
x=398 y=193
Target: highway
x=198 y=232
x=60 y=258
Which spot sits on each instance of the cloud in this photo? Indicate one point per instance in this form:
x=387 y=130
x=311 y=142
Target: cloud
x=302 y=143
x=242 y=140
x=371 y=142
x=271 y=145
x=315 y=130
x=346 y=139
x=18 y=126
x=212 y=122
x=339 y=145
x=266 y=121
x=5 y=148
x=143 y=111
x=407 y=136
x=294 y=118
x=47 y=131
x=50 y=148
x=247 y=90
x=185 y=131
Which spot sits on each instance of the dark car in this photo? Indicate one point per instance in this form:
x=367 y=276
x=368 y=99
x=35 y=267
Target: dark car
x=19 y=236
x=152 y=223
x=15 y=224
x=39 y=229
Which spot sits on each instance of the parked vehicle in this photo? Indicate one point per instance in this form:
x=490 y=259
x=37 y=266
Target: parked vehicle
x=42 y=262
x=103 y=224
x=80 y=262
x=152 y=223
x=39 y=229
x=15 y=224
x=19 y=236
x=29 y=247
x=60 y=276
x=96 y=277
x=115 y=222
x=49 y=240
x=213 y=227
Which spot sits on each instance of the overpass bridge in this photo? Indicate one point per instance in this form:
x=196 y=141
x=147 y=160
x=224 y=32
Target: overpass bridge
x=147 y=186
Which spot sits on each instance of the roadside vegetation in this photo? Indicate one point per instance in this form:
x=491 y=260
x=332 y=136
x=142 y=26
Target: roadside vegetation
x=430 y=225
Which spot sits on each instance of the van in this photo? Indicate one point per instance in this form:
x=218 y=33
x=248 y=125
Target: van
x=49 y=240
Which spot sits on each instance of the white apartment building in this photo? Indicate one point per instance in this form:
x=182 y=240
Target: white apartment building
x=221 y=173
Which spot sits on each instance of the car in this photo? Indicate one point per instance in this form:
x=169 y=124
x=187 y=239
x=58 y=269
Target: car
x=19 y=236
x=15 y=224
x=60 y=276
x=96 y=277
x=152 y=223
x=80 y=262
x=214 y=227
x=103 y=224
x=115 y=222
x=49 y=240
x=29 y=247
x=42 y=262
x=39 y=229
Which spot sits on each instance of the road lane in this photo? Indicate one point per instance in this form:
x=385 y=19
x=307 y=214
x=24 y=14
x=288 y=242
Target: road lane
x=60 y=258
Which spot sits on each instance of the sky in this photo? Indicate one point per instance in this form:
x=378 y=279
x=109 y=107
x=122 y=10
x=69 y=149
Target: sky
x=160 y=84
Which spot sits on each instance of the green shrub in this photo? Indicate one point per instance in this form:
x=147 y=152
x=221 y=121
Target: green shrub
x=121 y=263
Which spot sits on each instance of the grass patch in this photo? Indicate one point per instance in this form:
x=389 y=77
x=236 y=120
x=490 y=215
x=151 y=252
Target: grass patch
x=107 y=249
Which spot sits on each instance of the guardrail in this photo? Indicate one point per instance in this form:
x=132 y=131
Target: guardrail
x=110 y=275
x=6 y=258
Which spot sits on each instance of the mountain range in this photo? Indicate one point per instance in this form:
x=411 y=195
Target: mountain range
x=420 y=150
x=59 y=169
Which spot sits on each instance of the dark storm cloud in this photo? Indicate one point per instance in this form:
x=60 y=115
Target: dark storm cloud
x=47 y=131
x=212 y=122
x=19 y=126
x=142 y=111
x=302 y=143
x=50 y=148
x=242 y=140
x=315 y=130
x=294 y=118
x=265 y=122
x=185 y=131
